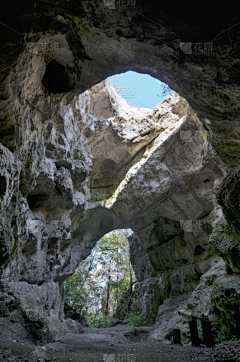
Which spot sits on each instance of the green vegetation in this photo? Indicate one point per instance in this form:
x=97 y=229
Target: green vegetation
x=97 y=195
x=225 y=242
x=225 y=314
x=13 y=223
x=103 y=189
x=169 y=336
x=134 y=320
x=128 y=302
x=23 y=188
x=14 y=246
x=102 y=286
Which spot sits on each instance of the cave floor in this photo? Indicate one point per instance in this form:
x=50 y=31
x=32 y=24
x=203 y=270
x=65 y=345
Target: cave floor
x=110 y=345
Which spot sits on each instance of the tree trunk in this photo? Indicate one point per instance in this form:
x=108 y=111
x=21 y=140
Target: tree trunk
x=117 y=279
x=108 y=292
x=130 y=299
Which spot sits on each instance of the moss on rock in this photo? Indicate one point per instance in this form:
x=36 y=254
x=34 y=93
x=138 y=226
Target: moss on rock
x=225 y=243
x=14 y=246
x=226 y=311
x=24 y=188
x=180 y=247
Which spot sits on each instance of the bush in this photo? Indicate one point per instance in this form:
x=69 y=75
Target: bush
x=98 y=320
x=134 y=320
x=122 y=311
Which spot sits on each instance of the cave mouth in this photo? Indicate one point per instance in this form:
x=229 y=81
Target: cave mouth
x=140 y=90
x=56 y=78
x=102 y=292
x=143 y=93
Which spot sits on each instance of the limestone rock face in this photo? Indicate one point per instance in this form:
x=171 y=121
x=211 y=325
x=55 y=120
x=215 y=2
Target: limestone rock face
x=45 y=188
x=216 y=294
x=225 y=241
x=174 y=270
x=73 y=168
x=98 y=165
x=225 y=237
x=199 y=301
x=66 y=49
x=168 y=318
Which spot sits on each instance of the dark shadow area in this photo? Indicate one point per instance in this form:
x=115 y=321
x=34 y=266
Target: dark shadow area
x=56 y=79
x=36 y=201
x=3 y=185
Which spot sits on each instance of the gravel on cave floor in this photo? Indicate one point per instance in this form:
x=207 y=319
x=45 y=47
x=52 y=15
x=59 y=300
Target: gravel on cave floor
x=74 y=348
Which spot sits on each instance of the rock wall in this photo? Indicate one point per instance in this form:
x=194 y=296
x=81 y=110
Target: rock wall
x=206 y=284
x=74 y=167
x=75 y=45
x=100 y=165
x=45 y=185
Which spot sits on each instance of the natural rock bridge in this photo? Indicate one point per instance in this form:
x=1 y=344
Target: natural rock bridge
x=77 y=161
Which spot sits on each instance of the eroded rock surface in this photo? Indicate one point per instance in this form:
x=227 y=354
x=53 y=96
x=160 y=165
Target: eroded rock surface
x=85 y=42
x=96 y=166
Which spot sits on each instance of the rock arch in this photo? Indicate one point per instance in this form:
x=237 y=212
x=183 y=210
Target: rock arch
x=47 y=139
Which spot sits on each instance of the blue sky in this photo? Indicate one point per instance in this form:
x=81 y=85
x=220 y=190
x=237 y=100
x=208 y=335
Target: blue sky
x=141 y=90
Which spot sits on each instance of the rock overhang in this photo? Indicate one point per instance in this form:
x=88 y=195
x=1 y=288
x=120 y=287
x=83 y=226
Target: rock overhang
x=62 y=169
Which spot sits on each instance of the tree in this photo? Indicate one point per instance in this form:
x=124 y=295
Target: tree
x=166 y=91
x=100 y=281
x=77 y=289
x=112 y=250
